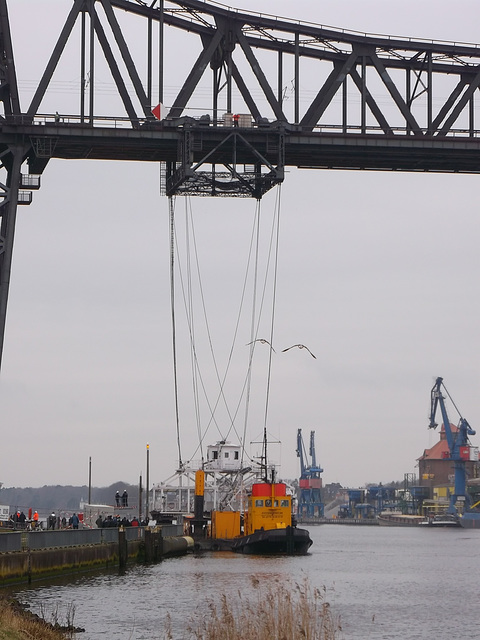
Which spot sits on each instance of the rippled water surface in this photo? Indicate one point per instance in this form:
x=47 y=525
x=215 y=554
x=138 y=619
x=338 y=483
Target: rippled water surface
x=384 y=583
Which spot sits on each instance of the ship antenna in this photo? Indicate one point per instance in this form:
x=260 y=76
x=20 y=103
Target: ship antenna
x=264 y=459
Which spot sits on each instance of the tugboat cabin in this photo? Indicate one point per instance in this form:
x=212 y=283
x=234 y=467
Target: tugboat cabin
x=269 y=507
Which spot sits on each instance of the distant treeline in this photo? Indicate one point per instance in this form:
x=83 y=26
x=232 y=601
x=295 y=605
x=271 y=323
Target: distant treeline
x=62 y=498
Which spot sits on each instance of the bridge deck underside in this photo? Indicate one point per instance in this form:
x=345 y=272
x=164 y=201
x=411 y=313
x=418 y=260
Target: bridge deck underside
x=302 y=149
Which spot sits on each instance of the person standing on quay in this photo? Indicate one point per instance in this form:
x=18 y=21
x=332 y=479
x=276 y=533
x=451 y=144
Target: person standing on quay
x=125 y=499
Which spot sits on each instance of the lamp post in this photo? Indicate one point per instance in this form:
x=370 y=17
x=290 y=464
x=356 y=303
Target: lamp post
x=147 y=515
x=140 y=499
x=90 y=480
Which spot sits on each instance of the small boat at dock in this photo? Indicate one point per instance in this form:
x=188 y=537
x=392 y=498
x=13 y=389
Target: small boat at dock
x=441 y=520
x=398 y=519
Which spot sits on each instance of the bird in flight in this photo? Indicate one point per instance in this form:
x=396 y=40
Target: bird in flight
x=300 y=346
x=263 y=341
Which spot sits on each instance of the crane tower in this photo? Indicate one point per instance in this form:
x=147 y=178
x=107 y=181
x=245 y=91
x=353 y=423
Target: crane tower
x=310 y=483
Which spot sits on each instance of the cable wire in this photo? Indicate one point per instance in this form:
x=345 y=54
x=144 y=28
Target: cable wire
x=172 y=305
x=274 y=298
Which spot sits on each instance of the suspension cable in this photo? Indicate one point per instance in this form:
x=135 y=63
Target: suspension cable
x=187 y=289
x=252 y=328
x=191 y=322
x=221 y=380
x=274 y=297
x=172 y=305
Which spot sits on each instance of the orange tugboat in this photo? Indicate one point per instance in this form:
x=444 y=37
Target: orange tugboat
x=268 y=525
x=265 y=527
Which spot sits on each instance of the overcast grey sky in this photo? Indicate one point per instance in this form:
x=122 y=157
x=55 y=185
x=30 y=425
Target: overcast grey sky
x=377 y=275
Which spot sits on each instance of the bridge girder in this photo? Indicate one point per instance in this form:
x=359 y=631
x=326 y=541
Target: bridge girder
x=363 y=82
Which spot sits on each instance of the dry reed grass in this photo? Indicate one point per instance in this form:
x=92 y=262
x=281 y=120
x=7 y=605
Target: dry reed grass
x=18 y=624
x=279 y=612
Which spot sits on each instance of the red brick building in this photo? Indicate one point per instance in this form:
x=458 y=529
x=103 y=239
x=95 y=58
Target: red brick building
x=435 y=469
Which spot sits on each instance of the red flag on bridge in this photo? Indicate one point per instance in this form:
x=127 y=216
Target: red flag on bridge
x=157 y=111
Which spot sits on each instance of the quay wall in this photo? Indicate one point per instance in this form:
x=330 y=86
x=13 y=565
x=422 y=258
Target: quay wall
x=351 y=521
x=27 y=556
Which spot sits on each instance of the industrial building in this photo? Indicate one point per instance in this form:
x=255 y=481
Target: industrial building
x=436 y=467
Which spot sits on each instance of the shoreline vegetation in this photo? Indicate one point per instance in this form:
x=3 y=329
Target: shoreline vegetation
x=281 y=611
x=18 y=623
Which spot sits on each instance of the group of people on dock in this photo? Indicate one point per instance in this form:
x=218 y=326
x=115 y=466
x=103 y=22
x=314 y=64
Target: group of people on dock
x=55 y=522
x=19 y=520
x=117 y=521
x=32 y=522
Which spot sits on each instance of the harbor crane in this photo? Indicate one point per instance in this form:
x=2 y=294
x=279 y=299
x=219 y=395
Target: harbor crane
x=459 y=450
x=310 y=484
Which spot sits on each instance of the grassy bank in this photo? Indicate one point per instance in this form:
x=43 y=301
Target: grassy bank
x=17 y=623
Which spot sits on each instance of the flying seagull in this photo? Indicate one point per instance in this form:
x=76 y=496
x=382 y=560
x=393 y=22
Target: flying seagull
x=263 y=341
x=300 y=346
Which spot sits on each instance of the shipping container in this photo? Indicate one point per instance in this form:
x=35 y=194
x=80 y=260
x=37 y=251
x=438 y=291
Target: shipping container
x=244 y=120
x=225 y=524
x=465 y=453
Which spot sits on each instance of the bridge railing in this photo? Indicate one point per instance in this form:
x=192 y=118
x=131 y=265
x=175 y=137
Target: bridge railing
x=109 y=122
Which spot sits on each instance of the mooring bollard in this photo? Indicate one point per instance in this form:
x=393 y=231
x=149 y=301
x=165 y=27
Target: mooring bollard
x=122 y=548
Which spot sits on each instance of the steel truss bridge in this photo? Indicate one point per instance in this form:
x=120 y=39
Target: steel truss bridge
x=226 y=99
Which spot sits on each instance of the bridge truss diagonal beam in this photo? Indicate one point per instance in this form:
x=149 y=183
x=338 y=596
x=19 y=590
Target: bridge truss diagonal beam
x=129 y=62
x=466 y=97
x=259 y=74
x=370 y=101
x=55 y=57
x=328 y=91
x=116 y=73
x=451 y=100
x=395 y=93
x=194 y=76
x=8 y=80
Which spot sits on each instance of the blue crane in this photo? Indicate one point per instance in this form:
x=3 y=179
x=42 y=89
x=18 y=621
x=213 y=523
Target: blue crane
x=310 y=484
x=458 y=444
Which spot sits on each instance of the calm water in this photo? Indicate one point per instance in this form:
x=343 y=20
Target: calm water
x=383 y=582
